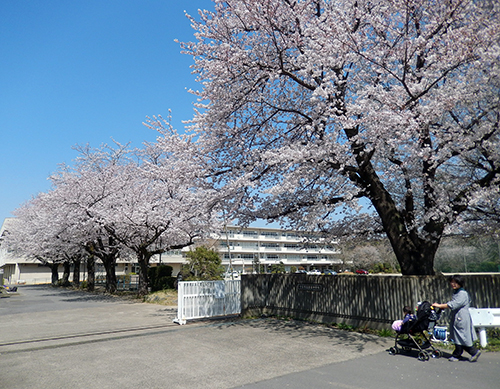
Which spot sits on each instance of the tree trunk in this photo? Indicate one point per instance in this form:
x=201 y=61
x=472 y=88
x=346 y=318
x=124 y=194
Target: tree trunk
x=55 y=273
x=413 y=259
x=109 y=262
x=66 y=272
x=90 y=273
x=54 y=267
x=143 y=259
x=76 y=272
x=415 y=255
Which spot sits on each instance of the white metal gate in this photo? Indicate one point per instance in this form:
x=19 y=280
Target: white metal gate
x=199 y=299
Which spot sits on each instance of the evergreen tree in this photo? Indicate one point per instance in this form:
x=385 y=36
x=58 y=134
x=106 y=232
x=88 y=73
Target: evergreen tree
x=203 y=265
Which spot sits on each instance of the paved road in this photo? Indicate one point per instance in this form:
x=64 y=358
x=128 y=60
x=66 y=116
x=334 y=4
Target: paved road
x=55 y=338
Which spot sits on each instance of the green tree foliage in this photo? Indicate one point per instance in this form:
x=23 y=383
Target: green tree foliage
x=278 y=268
x=469 y=253
x=204 y=264
x=258 y=267
x=383 y=267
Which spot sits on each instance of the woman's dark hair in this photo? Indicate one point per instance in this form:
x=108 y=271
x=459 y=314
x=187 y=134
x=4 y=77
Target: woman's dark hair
x=407 y=309
x=458 y=279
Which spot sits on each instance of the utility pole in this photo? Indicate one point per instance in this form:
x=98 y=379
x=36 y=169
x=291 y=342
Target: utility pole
x=229 y=251
x=498 y=244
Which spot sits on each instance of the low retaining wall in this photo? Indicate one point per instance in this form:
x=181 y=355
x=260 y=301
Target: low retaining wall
x=374 y=301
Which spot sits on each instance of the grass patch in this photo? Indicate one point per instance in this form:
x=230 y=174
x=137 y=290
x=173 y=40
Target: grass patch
x=345 y=327
x=385 y=333
x=162 y=297
x=493 y=337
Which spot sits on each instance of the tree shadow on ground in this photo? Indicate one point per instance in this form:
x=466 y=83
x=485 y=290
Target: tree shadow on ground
x=313 y=332
x=69 y=294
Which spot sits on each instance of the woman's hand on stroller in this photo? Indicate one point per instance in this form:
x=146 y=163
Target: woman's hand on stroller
x=436 y=308
x=439 y=306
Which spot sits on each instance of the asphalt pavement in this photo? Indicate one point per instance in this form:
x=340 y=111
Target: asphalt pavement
x=59 y=338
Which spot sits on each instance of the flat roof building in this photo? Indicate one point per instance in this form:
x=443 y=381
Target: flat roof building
x=255 y=249
x=244 y=250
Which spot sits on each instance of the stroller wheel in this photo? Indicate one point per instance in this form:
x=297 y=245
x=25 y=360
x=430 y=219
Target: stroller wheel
x=393 y=351
x=423 y=356
x=437 y=354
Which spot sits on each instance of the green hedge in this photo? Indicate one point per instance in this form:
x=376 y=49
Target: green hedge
x=160 y=278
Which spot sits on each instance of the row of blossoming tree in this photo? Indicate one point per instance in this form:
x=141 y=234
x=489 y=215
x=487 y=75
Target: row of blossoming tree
x=346 y=117
x=116 y=201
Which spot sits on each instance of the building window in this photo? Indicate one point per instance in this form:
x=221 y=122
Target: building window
x=248 y=245
x=292 y=257
x=291 y=246
x=224 y=245
x=266 y=244
x=224 y=234
x=311 y=246
x=135 y=268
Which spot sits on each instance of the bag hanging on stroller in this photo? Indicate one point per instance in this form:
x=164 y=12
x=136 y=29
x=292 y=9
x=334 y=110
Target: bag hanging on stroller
x=425 y=321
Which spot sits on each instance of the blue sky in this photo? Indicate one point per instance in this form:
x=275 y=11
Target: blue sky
x=85 y=71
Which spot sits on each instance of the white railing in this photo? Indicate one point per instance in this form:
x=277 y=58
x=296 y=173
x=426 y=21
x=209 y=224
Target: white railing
x=482 y=318
x=202 y=299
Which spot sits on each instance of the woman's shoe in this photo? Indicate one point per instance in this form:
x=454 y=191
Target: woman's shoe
x=475 y=357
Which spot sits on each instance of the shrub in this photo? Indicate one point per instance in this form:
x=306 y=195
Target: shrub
x=160 y=277
x=166 y=282
x=385 y=333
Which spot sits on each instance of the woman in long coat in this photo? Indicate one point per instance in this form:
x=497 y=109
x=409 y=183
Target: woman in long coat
x=461 y=329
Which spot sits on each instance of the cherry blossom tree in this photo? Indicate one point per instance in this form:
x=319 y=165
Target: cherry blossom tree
x=43 y=230
x=139 y=202
x=172 y=203
x=310 y=110
x=85 y=188
x=25 y=238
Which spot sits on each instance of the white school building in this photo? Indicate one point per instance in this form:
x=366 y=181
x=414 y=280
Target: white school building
x=245 y=250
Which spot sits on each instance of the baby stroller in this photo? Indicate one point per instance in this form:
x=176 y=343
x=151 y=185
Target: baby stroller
x=406 y=338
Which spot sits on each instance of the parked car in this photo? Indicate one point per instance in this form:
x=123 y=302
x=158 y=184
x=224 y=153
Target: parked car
x=361 y=271
x=314 y=272
x=330 y=272
x=232 y=276
x=301 y=272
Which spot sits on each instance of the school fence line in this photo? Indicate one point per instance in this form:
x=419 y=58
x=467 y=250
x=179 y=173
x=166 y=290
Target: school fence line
x=373 y=300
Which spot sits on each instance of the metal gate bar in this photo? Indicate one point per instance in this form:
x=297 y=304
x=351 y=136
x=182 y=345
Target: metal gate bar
x=201 y=299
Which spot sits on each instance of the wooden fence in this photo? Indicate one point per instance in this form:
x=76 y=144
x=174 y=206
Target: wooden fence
x=374 y=300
